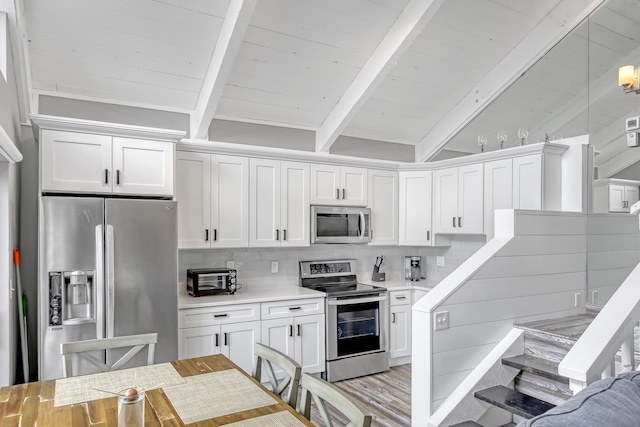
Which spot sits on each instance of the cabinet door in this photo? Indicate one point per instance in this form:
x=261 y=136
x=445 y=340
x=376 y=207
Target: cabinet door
x=310 y=342
x=616 y=198
x=264 y=196
x=325 y=185
x=75 y=162
x=383 y=201
x=294 y=204
x=229 y=201
x=193 y=194
x=238 y=341
x=279 y=334
x=142 y=167
x=630 y=196
x=400 y=331
x=445 y=201
x=353 y=186
x=414 y=223
x=527 y=182
x=471 y=199
x=199 y=341
x=498 y=191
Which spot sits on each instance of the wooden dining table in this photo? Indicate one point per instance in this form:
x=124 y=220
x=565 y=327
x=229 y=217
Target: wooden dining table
x=208 y=386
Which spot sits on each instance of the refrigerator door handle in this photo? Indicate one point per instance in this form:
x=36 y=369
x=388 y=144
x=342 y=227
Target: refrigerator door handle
x=110 y=283
x=99 y=281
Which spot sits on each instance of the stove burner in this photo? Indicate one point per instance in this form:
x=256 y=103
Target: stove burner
x=344 y=289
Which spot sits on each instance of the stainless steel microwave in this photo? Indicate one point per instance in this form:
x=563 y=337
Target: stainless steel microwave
x=340 y=224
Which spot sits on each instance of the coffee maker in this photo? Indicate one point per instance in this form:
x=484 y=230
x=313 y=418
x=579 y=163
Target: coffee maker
x=413 y=268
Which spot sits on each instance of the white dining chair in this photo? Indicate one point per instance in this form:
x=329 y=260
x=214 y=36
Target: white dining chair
x=322 y=391
x=82 y=349
x=268 y=357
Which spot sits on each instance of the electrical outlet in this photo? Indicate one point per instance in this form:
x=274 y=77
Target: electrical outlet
x=274 y=266
x=594 y=297
x=441 y=321
x=231 y=264
x=440 y=261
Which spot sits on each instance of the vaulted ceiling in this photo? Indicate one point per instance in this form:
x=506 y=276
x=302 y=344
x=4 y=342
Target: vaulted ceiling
x=433 y=74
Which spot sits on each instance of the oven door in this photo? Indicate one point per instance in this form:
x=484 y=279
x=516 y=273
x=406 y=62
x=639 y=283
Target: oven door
x=356 y=325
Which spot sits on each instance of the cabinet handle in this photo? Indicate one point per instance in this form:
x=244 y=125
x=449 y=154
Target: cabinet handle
x=290 y=330
x=215 y=234
x=225 y=339
x=106 y=176
x=428 y=235
x=343 y=194
x=393 y=318
x=117 y=176
x=399 y=297
x=295 y=308
x=277 y=234
x=459 y=221
x=217 y=340
x=454 y=221
x=298 y=327
x=284 y=234
x=217 y=316
x=206 y=234
x=338 y=193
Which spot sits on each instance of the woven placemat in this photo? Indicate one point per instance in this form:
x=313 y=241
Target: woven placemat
x=83 y=388
x=279 y=419
x=215 y=394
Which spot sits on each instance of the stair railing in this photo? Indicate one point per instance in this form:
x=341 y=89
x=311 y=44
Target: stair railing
x=593 y=356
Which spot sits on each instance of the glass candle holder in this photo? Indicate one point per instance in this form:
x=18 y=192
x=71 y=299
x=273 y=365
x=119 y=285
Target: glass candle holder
x=131 y=407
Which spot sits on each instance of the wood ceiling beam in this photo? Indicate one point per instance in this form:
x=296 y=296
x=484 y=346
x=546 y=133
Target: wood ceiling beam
x=19 y=48
x=556 y=25
x=230 y=38
x=403 y=32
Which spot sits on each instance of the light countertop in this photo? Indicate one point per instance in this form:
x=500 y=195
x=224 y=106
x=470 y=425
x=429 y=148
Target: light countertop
x=252 y=294
x=395 y=283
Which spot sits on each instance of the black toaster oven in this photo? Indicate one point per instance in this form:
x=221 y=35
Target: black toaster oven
x=211 y=281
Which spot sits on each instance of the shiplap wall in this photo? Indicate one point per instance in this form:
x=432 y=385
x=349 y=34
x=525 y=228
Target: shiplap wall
x=533 y=275
x=613 y=244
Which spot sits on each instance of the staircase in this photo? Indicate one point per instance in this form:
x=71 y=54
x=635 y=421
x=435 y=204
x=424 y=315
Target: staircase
x=538 y=387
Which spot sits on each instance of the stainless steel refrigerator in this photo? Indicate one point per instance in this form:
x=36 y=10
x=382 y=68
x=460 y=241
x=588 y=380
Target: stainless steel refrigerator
x=107 y=267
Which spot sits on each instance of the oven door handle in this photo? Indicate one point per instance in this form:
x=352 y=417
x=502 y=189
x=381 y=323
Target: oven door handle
x=355 y=300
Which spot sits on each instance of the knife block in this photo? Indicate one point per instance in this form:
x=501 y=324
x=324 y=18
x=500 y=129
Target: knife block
x=377 y=276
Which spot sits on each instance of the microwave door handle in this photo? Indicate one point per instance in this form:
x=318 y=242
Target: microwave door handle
x=110 y=294
x=361 y=225
x=99 y=281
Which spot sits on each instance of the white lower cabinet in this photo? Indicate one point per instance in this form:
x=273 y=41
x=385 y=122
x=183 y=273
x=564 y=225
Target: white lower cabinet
x=400 y=324
x=297 y=329
x=230 y=330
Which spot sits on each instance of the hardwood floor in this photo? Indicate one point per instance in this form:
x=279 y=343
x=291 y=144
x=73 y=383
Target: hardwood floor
x=387 y=396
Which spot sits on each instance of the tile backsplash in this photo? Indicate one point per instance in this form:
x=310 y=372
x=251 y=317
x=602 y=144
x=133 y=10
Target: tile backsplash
x=254 y=264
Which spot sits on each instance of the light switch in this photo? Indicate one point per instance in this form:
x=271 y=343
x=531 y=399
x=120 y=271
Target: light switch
x=274 y=266
x=440 y=261
x=231 y=264
x=441 y=321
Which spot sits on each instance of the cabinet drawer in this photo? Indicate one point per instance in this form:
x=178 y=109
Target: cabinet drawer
x=280 y=309
x=206 y=316
x=400 y=297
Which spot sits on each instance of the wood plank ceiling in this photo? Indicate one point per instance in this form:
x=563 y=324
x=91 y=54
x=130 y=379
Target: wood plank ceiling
x=416 y=72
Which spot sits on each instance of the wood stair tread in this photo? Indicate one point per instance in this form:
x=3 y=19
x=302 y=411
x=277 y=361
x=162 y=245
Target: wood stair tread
x=535 y=365
x=568 y=328
x=513 y=401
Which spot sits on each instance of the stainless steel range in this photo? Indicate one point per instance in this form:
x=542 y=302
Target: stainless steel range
x=356 y=319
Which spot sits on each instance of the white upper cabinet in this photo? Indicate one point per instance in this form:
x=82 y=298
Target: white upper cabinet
x=527 y=182
x=498 y=190
x=615 y=195
x=279 y=199
x=458 y=200
x=338 y=185
x=213 y=200
x=101 y=164
x=383 y=201
x=414 y=223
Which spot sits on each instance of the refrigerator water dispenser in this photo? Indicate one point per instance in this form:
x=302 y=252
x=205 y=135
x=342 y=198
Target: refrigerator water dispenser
x=71 y=297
